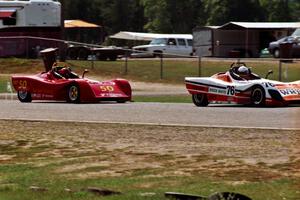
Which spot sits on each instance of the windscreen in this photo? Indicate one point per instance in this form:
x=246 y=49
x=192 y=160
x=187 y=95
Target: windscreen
x=296 y=32
x=159 y=41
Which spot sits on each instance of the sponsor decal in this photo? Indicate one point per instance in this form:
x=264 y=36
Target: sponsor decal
x=216 y=90
x=42 y=96
x=289 y=91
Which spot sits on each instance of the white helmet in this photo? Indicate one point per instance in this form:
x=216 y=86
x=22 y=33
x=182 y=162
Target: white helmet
x=243 y=70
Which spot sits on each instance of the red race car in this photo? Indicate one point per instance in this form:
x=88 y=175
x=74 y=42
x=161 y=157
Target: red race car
x=62 y=84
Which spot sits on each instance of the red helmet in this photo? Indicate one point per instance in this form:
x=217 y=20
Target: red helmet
x=64 y=71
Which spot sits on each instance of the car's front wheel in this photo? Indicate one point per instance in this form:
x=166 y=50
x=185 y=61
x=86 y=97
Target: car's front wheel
x=73 y=94
x=200 y=100
x=24 y=96
x=258 y=97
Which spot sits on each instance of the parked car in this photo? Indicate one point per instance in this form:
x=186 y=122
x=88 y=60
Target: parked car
x=170 y=47
x=294 y=41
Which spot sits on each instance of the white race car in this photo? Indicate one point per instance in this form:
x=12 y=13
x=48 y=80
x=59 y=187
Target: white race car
x=240 y=86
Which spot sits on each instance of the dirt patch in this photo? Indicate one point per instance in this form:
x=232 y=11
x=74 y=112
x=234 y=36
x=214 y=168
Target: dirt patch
x=82 y=150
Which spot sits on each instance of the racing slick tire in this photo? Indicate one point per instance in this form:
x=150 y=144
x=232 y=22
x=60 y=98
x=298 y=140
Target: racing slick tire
x=72 y=54
x=200 y=100
x=83 y=54
x=24 y=96
x=73 y=94
x=258 y=96
x=121 y=101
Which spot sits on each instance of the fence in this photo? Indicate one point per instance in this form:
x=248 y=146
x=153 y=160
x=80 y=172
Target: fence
x=164 y=68
x=175 y=69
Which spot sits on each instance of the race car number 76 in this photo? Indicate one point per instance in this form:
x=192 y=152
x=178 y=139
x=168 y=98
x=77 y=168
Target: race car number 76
x=230 y=90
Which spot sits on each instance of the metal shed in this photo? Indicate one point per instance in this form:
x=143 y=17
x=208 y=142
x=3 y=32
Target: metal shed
x=239 y=39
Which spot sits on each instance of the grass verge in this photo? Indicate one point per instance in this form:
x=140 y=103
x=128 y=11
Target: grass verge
x=142 y=162
x=164 y=98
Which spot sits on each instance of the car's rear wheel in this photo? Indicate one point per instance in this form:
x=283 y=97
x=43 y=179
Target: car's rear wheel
x=83 y=54
x=200 y=100
x=258 y=96
x=121 y=101
x=73 y=94
x=24 y=96
x=72 y=54
x=157 y=54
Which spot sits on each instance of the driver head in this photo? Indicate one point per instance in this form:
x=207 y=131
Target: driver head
x=64 y=71
x=243 y=70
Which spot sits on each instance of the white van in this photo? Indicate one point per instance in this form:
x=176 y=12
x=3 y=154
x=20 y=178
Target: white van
x=181 y=45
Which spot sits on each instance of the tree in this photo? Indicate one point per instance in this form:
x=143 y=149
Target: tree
x=223 y=11
x=124 y=15
x=173 y=16
x=157 y=16
x=278 y=10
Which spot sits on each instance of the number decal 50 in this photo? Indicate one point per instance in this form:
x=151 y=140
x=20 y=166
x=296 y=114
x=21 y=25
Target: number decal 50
x=23 y=83
x=230 y=90
x=106 y=88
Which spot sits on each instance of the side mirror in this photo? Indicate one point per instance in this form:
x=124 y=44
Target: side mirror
x=269 y=72
x=84 y=72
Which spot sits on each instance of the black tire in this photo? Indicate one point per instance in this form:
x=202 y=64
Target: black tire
x=157 y=54
x=200 y=100
x=83 y=54
x=73 y=94
x=113 y=58
x=248 y=54
x=258 y=96
x=72 y=54
x=227 y=196
x=121 y=101
x=24 y=96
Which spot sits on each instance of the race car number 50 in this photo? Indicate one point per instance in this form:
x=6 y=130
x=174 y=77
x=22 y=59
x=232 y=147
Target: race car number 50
x=230 y=90
x=107 y=88
x=23 y=83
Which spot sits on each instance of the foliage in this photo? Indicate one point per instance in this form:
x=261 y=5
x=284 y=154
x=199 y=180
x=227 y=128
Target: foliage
x=223 y=11
x=177 y=16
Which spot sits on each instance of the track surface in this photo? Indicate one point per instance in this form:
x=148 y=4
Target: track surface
x=154 y=113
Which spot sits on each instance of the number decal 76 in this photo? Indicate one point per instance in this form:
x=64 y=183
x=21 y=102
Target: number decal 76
x=230 y=90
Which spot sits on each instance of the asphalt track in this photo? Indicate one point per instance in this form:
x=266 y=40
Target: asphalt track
x=155 y=113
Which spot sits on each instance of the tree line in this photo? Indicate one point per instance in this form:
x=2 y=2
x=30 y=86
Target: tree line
x=177 y=16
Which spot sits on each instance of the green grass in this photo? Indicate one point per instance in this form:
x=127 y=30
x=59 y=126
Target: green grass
x=18 y=178
x=164 y=99
x=35 y=164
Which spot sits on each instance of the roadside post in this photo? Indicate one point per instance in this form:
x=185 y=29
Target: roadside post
x=199 y=66
x=126 y=62
x=92 y=58
x=280 y=70
x=161 y=66
x=9 y=90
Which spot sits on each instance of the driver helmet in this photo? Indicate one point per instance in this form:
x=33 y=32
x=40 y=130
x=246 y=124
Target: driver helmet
x=243 y=70
x=64 y=72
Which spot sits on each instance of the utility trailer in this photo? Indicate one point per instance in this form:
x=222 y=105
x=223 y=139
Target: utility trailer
x=99 y=53
x=23 y=22
x=27 y=27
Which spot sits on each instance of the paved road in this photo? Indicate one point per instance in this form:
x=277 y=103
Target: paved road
x=154 y=113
